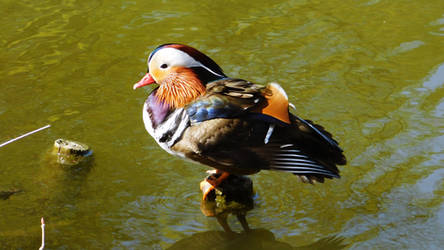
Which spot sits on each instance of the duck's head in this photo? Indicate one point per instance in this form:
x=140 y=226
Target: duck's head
x=182 y=73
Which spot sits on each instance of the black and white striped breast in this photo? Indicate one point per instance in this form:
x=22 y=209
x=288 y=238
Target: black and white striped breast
x=168 y=131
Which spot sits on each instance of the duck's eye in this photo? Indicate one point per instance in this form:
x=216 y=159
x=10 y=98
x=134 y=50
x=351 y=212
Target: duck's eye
x=164 y=66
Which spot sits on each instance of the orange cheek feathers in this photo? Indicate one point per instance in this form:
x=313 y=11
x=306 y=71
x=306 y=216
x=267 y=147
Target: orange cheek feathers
x=180 y=87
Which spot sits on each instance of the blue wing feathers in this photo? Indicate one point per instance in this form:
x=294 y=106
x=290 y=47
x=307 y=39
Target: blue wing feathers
x=207 y=109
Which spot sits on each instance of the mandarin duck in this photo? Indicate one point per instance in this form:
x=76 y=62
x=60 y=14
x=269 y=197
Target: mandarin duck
x=233 y=125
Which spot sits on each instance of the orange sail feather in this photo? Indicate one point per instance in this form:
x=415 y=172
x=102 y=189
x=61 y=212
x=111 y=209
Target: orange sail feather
x=277 y=103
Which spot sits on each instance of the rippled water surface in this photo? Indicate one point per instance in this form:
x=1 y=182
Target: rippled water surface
x=371 y=72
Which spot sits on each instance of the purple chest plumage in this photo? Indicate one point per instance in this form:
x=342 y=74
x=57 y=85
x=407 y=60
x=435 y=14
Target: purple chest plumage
x=157 y=109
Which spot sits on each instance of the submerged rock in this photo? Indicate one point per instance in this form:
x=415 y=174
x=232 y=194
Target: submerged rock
x=257 y=239
x=70 y=153
x=64 y=167
x=4 y=195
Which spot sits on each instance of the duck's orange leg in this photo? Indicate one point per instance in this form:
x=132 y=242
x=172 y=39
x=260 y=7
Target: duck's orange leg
x=214 y=181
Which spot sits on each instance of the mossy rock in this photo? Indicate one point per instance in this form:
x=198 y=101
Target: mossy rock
x=69 y=153
x=234 y=195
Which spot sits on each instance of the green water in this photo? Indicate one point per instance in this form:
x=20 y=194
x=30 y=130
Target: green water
x=371 y=72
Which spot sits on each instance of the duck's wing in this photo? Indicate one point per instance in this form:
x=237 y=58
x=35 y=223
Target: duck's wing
x=226 y=98
x=296 y=159
x=282 y=140
x=237 y=98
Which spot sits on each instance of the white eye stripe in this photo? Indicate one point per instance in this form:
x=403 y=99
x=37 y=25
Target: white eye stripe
x=214 y=73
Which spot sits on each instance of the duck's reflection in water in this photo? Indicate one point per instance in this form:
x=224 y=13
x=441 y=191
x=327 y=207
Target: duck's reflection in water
x=254 y=239
x=235 y=196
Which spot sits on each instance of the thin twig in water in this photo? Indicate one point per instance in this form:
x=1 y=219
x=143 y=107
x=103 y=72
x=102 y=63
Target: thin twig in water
x=43 y=234
x=20 y=137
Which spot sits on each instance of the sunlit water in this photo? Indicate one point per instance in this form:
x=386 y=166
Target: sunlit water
x=371 y=72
